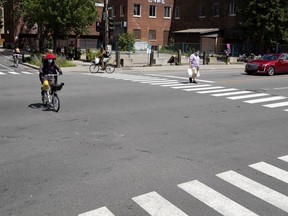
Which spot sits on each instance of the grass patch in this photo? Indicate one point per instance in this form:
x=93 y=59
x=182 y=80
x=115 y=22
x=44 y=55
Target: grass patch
x=60 y=61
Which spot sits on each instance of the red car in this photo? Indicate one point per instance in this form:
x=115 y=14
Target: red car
x=268 y=64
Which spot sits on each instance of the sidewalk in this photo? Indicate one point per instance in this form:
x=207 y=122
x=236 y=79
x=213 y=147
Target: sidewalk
x=84 y=67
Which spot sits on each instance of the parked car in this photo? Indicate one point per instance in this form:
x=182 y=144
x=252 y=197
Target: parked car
x=268 y=64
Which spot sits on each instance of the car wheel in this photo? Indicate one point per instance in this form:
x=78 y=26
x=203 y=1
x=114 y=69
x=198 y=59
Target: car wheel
x=270 y=71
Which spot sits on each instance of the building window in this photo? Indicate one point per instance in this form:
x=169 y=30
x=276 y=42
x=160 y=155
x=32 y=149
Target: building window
x=177 y=13
x=122 y=10
x=202 y=12
x=152 y=11
x=165 y=37
x=137 y=10
x=152 y=34
x=137 y=33
x=167 y=12
x=216 y=9
x=232 y=8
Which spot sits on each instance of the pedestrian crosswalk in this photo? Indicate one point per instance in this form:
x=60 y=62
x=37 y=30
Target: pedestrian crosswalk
x=3 y=73
x=157 y=205
x=208 y=87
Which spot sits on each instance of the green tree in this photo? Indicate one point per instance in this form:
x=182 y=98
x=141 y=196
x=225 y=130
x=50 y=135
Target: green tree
x=59 y=18
x=126 y=42
x=264 y=22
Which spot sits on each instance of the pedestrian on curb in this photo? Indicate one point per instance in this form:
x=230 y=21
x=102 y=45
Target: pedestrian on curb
x=194 y=62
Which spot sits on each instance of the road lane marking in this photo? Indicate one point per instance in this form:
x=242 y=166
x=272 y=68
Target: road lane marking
x=103 y=211
x=163 y=83
x=1 y=73
x=156 y=205
x=174 y=85
x=189 y=86
x=24 y=72
x=214 y=199
x=247 y=96
x=271 y=170
x=231 y=93
x=267 y=194
x=159 y=80
x=261 y=100
x=205 y=88
x=276 y=105
x=215 y=91
x=13 y=72
x=186 y=78
x=284 y=158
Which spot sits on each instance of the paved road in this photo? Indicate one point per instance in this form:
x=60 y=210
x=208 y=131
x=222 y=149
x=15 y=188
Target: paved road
x=144 y=143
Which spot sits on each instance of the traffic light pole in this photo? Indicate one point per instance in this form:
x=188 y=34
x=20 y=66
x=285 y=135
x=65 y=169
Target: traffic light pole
x=106 y=25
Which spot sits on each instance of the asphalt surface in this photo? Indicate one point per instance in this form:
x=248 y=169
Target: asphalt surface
x=137 y=143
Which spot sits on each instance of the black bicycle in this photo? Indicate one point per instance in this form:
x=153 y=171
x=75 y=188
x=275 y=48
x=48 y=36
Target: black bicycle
x=50 y=97
x=96 y=66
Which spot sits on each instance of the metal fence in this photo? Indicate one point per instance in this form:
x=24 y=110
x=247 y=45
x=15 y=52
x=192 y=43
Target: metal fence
x=219 y=49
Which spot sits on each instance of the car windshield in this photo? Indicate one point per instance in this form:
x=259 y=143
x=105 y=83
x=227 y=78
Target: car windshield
x=269 y=57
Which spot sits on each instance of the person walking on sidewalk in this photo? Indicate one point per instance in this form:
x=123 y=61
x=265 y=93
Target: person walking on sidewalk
x=194 y=62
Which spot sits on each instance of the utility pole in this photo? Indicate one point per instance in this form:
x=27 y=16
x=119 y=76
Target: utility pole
x=106 y=25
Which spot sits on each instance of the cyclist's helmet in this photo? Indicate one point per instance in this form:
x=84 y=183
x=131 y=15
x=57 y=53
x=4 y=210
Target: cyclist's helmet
x=50 y=57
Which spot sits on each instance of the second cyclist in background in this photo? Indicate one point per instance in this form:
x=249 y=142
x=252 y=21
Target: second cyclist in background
x=104 y=58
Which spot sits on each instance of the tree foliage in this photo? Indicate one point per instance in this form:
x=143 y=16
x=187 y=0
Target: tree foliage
x=264 y=21
x=59 y=18
x=126 y=41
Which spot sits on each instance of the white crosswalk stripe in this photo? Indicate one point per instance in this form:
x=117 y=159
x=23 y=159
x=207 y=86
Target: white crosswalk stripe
x=24 y=72
x=284 y=158
x=215 y=200
x=205 y=88
x=174 y=85
x=16 y=73
x=247 y=96
x=267 y=194
x=271 y=170
x=12 y=72
x=157 y=81
x=215 y=91
x=163 y=83
x=156 y=205
x=103 y=211
x=276 y=105
x=261 y=100
x=189 y=86
x=231 y=93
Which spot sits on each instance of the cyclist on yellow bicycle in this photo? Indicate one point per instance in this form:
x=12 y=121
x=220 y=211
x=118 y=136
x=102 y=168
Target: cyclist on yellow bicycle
x=49 y=67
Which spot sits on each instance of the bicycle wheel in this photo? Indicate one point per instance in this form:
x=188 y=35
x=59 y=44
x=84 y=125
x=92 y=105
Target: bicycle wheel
x=94 y=68
x=56 y=102
x=110 y=68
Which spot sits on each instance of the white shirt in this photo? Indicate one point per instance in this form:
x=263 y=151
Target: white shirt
x=194 y=60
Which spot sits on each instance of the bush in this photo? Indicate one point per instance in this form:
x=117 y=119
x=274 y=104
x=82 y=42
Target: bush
x=126 y=42
x=91 y=55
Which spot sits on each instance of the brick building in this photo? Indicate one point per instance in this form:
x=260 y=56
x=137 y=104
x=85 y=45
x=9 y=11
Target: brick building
x=148 y=20
x=206 y=24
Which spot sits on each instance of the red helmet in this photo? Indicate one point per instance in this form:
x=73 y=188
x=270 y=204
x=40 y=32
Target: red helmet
x=50 y=56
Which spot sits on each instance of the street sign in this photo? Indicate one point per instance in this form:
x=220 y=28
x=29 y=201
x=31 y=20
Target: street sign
x=149 y=49
x=99 y=4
